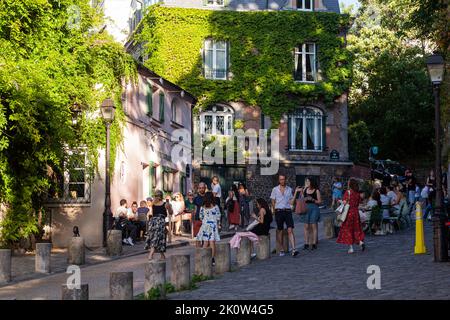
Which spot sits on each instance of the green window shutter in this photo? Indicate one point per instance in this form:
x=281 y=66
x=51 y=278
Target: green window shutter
x=324 y=133
x=151 y=173
x=226 y=3
x=289 y=133
x=149 y=100
x=205 y=2
x=161 y=107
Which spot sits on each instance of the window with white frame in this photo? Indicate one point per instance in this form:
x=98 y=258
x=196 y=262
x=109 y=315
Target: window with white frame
x=215 y=59
x=215 y=2
x=217 y=120
x=73 y=184
x=306 y=130
x=306 y=5
x=305 y=63
x=168 y=180
x=177 y=111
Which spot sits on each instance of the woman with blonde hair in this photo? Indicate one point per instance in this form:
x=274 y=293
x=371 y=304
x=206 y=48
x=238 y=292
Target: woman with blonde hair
x=178 y=208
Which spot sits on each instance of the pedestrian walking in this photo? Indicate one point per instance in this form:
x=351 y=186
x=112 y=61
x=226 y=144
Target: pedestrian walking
x=282 y=200
x=310 y=220
x=209 y=231
x=142 y=213
x=198 y=202
x=351 y=232
x=244 y=203
x=156 y=234
x=337 y=193
x=178 y=209
x=233 y=208
x=217 y=193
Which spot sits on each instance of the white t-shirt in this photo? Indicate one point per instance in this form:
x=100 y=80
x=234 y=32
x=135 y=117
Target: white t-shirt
x=424 y=193
x=120 y=210
x=217 y=190
x=385 y=200
x=282 y=201
x=131 y=215
x=393 y=196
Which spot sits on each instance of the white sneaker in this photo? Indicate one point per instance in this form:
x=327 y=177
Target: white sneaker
x=125 y=241
x=130 y=241
x=253 y=256
x=282 y=254
x=350 y=250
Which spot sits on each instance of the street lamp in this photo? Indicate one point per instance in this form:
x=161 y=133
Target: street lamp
x=435 y=65
x=108 y=109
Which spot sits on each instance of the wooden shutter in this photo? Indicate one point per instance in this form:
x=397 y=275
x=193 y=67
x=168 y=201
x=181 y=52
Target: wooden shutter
x=149 y=100
x=289 y=132
x=324 y=132
x=161 y=107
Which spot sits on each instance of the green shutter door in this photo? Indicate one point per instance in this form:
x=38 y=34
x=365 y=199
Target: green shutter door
x=289 y=132
x=161 y=107
x=149 y=100
x=324 y=133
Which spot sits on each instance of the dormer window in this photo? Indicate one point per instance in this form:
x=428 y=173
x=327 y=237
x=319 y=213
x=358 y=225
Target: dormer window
x=305 y=5
x=214 y=3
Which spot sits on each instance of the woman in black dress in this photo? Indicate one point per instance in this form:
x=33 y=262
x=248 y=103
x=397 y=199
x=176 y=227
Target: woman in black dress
x=264 y=218
x=156 y=235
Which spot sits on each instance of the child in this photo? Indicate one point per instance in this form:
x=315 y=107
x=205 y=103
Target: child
x=337 y=193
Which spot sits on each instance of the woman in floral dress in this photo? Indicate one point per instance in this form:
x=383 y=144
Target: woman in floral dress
x=351 y=232
x=210 y=216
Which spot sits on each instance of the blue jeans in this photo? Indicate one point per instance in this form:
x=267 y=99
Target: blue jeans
x=428 y=209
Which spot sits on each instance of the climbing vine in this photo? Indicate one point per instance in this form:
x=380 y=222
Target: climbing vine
x=53 y=54
x=261 y=54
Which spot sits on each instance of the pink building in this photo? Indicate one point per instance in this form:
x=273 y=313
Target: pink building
x=154 y=108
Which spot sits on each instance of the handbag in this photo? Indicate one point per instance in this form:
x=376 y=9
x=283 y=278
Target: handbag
x=300 y=205
x=342 y=210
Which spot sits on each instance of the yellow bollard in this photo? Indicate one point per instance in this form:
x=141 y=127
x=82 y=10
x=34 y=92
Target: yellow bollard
x=420 y=240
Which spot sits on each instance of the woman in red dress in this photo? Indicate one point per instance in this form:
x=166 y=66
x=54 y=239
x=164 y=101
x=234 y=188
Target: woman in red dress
x=233 y=208
x=351 y=232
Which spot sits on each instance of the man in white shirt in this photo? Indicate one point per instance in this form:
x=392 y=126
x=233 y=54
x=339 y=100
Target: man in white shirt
x=282 y=200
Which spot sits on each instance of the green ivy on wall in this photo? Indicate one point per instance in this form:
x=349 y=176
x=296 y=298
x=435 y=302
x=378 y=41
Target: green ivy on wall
x=261 y=54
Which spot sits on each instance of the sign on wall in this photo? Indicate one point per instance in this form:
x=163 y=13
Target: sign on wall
x=334 y=155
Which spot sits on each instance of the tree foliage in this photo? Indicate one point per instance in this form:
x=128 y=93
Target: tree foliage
x=391 y=90
x=52 y=54
x=261 y=54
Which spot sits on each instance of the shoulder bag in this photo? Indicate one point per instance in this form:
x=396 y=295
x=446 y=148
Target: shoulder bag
x=342 y=210
x=300 y=205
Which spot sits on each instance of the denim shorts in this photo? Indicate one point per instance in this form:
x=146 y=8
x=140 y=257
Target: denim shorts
x=312 y=214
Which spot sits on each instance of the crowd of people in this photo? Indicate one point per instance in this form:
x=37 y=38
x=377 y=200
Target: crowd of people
x=203 y=215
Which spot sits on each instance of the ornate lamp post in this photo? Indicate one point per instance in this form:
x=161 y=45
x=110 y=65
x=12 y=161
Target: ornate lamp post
x=108 y=109
x=435 y=65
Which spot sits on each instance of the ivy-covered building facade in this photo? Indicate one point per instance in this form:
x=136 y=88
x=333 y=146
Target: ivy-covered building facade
x=259 y=65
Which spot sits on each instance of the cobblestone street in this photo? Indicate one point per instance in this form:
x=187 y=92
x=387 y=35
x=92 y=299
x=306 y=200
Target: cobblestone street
x=327 y=273
x=331 y=273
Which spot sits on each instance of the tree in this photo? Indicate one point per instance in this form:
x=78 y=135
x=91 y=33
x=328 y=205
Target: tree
x=390 y=90
x=52 y=55
x=359 y=142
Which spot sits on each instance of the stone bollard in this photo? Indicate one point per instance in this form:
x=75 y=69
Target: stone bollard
x=203 y=264
x=42 y=257
x=328 y=225
x=5 y=265
x=180 y=275
x=244 y=252
x=223 y=258
x=114 y=243
x=155 y=277
x=263 y=248
x=121 y=285
x=76 y=253
x=75 y=294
